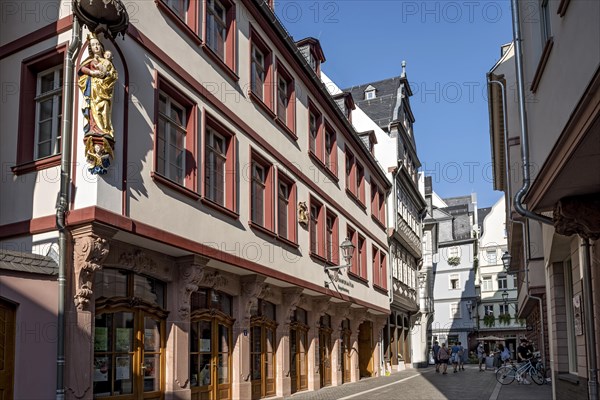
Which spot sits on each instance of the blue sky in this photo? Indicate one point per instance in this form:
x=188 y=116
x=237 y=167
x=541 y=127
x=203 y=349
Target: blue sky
x=448 y=47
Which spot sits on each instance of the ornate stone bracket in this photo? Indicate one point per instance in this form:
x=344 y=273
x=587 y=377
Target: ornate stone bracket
x=192 y=272
x=578 y=215
x=321 y=305
x=253 y=288
x=90 y=251
x=294 y=298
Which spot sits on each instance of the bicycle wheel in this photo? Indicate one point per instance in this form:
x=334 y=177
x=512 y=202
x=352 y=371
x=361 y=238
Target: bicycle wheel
x=536 y=376
x=505 y=375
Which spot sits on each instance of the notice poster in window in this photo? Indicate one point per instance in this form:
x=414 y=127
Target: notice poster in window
x=101 y=338
x=150 y=340
x=123 y=368
x=100 y=369
x=204 y=345
x=149 y=368
x=123 y=339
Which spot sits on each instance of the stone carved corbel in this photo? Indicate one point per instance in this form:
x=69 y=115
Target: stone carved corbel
x=142 y=263
x=321 y=305
x=254 y=288
x=89 y=253
x=192 y=272
x=578 y=215
x=294 y=299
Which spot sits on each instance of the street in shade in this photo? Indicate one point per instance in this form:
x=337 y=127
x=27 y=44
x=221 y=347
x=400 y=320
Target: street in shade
x=426 y=384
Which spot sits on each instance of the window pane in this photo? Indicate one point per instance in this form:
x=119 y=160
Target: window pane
x=123 y=382
x=151 y=335
x=123 y=322
x=47 y=82
x=223 y=368
x=46 y=109
x=204 y=378
x=110 y=283
x=151 y=372
x=149 y=289
x=44 y=149
x=194 y=369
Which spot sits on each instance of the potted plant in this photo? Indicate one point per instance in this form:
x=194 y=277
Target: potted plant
x=504 y=318
x=489 y=320
x=454 y=261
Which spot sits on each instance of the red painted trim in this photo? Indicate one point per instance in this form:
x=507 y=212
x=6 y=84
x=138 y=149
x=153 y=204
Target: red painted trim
x=37 y=165
x=258 y=101
x=96 y=214
x=190 y=31
x=30 y=39
x=217 y=60
x=240 y=123
x=159 y=179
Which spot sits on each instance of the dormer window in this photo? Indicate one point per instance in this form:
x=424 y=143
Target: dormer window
x=310 y=48
x=370 y=93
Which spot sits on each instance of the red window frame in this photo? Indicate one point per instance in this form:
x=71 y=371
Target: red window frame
x=211 y=124
x=291 y=231
x=315 y=145
x=383 y=270
x=190 y=173
x=381 y=196
x=360 y=183
x=350 y=171
x=361 y=245
x=286 y=116
x=317 y=228
x=376 y=266
x=188 y=23
x=268 y=209
x=330 y=155
x=375 y=201
x=30 y=68
x=266 y=99
x=332 y=238
x=352 y=235
x=227 y=61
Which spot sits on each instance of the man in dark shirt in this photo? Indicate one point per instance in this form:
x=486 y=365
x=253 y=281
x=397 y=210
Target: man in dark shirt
x=436 y=350
x=524 y=353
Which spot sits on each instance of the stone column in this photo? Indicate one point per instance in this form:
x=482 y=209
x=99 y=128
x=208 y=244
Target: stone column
x=191 y=270
x=378 y=365
x=292 y=298
x=358 y=316
x=320 y=307
x=340 y=313
x=90 y=246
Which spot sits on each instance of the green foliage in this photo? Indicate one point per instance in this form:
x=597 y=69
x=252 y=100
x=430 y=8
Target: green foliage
x=489 y=320
x=454 y=261
x=504 y=319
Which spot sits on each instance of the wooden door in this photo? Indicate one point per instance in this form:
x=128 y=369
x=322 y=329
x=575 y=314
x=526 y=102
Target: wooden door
x=262 y=355
x=346 y=355
x=7 y=349
x=325 y=356
x=365 y=350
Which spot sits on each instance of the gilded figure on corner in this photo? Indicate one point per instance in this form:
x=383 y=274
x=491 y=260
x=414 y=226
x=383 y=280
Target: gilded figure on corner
x=97 y=79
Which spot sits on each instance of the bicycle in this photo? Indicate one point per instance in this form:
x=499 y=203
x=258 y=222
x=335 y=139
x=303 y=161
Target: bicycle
x=507 y=374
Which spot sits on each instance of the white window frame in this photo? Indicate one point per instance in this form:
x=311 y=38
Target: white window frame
x=545 y=26
x=484 y=284
x=491 y=256
x=172 y=4
x=55 y=95
x=487 y=308
x=259 y=71
x=451 y=278
x=453 y=251
x=504 y=308
x=170 y=123
x=455 y=311
x=370 y=94
x=502 y=282
x=259 y=187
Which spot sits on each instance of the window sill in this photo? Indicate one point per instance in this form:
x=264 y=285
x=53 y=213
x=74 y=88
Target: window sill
x=37 y=165
x=216 y=206
x=358 y=278
x=380 y=289
x=258 y=101
x=287 y=242
x=262 y=229
x=286 y=128
x=222 y=64
x=330 y=173
x=319 y=258
x=174 y=185
x=537 y=77
x=178 y=21
x=378 y=222
x=356 y=199
x=562 y=7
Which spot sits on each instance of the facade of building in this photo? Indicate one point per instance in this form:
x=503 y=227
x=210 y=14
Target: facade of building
x=497 y=308
x=203 y=263
x=454 y=272
x=384 y=117
x=555 y=246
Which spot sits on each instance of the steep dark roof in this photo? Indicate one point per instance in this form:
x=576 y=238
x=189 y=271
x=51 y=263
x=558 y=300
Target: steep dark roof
x=481 y=214
x=27 y=262
x=381 y=108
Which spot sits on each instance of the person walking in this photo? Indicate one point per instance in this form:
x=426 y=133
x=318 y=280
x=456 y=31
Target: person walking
x=436 y=350
x=455 y=350
x=443 y=356
x=524 y=354
x=480 y=356
x=461 y=357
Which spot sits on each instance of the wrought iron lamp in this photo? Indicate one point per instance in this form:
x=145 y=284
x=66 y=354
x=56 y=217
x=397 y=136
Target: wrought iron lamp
x=347 y=249
x=506 y=259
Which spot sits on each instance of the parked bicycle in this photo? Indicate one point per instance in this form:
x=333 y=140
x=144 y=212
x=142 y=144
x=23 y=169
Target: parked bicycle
x=507 y=374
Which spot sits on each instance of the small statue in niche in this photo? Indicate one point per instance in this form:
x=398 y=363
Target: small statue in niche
x=302 y=213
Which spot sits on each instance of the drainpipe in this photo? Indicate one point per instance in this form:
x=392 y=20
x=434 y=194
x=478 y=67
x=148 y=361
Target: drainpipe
x=509 y=190
x=523 y=121
x=590 y=334
x=63 y=202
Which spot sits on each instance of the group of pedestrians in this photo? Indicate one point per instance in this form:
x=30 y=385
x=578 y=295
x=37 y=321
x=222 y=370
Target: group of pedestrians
x=443 y=356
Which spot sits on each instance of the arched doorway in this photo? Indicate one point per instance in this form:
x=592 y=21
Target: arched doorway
x=262 y=350
x=365 y=349
x=298 y=351
x=346 y=350
x=129 y=336
x=210 y=344
x=325 y=350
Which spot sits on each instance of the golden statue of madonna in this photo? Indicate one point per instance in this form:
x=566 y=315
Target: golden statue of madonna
x=97 y=78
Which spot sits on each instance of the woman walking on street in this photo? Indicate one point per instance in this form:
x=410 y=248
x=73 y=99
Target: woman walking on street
x=443 y=356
